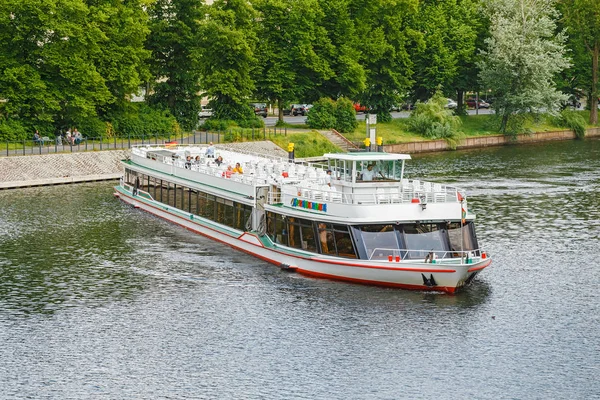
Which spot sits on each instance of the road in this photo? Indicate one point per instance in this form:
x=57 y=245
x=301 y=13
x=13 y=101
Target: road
x=271 y=121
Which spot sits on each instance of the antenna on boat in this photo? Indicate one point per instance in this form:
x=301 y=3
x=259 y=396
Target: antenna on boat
x=462 y=221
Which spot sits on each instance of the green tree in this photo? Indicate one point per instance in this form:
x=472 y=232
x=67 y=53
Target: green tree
x=47 y=62
x=451 y=29
x=582 y=19
x=386 y=40
x=227 y=60
x=175 y=46
x=123 y=61
x=291 y=51
x=523 y=56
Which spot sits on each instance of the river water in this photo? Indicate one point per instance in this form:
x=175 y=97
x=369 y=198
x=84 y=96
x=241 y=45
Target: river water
x=99 y=300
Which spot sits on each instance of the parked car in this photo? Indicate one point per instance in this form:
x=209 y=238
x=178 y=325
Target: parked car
x=205 y=112
x=451 y=104
x=260 y=109
x=359 y=108
x=482 y=104
x=298 y=109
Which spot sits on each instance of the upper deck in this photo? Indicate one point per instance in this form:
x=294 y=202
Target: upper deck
x=303 y=188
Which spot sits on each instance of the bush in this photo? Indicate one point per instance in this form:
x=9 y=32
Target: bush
x=254 y=122
x=572 y=120
x=322 y=114
x=11 y=131
x=327 y=114
x=94 y=127
x=139 y=120
x=345 y=116
x=217 y=125
x=433 y=121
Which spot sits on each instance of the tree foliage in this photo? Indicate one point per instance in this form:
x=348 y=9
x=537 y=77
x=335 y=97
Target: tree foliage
x=174 y=43
x=227 y=58
x=582 y=19
x=522 y=57
x=387 y=39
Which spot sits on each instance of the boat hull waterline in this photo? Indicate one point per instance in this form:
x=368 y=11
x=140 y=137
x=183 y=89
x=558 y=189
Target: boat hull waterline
x=416 y=275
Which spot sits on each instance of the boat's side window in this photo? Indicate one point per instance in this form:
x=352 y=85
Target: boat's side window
x=469 y=241
x=343 y=241
x=379 y=241
x=326 y=238
x=421 y=238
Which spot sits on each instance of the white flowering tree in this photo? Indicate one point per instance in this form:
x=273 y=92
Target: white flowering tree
x=523 y=55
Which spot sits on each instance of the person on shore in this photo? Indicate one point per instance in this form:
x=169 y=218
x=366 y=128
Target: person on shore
x=238 y=169
x=77 y=136
x=69 y=137
x=210 y=151
x=37 y=139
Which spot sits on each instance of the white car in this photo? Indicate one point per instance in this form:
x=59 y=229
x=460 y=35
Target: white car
x=205 y=112
x=451 y=104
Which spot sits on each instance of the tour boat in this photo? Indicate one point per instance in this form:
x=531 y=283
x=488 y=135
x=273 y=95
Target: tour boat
x=351 y=216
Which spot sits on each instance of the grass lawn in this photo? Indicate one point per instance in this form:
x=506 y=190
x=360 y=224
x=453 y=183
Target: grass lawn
x=472 y=125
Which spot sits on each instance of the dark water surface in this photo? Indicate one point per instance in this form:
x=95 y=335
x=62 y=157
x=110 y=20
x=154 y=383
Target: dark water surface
x=99 y=300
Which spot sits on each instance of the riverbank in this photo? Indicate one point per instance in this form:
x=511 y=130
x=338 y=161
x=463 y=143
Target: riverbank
x=486 y=141
x=63 y=168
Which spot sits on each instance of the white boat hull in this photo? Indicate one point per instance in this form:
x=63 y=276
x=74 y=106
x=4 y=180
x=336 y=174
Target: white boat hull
x=408 y=274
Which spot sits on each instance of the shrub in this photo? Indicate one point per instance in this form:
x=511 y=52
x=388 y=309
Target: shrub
x=254 y=122
x=94 y=127
x=345 y=116
x=139 y=120
x=11 y=131
x=322 y=114
x=433 y=121
x=217 y=125
x=572 y=120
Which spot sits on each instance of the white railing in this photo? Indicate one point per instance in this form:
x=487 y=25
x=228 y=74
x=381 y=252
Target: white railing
x=432 y=256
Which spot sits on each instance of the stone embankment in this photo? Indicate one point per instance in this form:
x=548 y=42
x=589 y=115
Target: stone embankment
x=55 y=169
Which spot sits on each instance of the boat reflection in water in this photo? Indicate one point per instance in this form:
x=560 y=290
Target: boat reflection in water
x=353 y=217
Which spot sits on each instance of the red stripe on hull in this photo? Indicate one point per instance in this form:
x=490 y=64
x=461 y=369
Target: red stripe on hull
x=480 y=267
x=447 y=289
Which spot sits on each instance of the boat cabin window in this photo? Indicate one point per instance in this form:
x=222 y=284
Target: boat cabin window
x=315 y=236
x=380 y=241
x=420 y=239
x=468 y=236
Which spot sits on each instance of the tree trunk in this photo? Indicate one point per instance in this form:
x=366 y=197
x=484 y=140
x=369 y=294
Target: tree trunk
x=279 y=110
x=594 y=103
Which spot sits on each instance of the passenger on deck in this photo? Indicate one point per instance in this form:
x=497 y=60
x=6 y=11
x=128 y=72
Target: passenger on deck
x=210 y=151
x=228 y=172
x=328 y=178
x=238 y=169
x=188 y=162
x=219 y=161
x=197 y=160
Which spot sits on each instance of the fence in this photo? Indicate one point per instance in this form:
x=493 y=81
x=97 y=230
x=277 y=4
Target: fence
x=61 y=145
